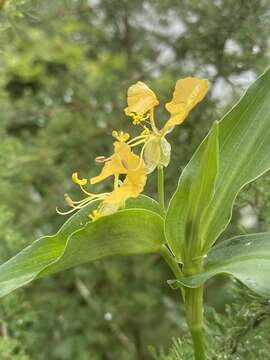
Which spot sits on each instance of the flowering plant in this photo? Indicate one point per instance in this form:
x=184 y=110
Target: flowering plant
x=125 y=222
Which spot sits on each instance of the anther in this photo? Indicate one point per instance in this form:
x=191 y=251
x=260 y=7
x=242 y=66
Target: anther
x=68 y=200
x=100 y=159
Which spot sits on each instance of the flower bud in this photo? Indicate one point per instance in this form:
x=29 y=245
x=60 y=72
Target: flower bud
x=157 y=152
x=165 y=152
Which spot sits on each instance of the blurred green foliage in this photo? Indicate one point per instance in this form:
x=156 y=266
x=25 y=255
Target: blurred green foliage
x=242 y=332
x=65 y=67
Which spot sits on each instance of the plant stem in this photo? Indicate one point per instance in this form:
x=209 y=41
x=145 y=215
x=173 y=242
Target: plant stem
x=169 y=258
x=193 y=297
x=161 y=188
x=194 y=313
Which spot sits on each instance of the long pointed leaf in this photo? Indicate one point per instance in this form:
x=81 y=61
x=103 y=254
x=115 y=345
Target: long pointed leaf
x=244 y=140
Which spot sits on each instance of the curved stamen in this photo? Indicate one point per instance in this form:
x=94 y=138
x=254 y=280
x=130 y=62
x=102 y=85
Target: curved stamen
x=138 y=143
x=116 y=181
x=136 y=138
x=65 y=212
x=141 y=159
x=88 y=203
x=102 y=159
x=152 y=121
x=82 y=204
x=90 y=194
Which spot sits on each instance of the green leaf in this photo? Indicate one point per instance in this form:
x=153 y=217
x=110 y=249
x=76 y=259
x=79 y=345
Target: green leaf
x=244 y=147
x=193 y=194
x=144 y=202
x=244 y=140
x=246 y=257
x=127 y=232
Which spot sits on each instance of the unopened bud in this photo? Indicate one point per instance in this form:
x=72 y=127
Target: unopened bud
x=157 y=152
x=165 y=152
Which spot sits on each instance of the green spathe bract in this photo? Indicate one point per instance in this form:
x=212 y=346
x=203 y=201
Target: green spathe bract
x=235 y=152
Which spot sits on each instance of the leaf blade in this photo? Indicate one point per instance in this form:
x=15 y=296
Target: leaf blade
x=193 y=194
x=245 y=257
x=244 y=139
x=118 y=242
x=120 y=234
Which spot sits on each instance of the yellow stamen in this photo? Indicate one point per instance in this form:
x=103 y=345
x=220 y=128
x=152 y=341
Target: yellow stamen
x=77 y=180
x=138 y=142
x=100 y=159
x=116 y=181
x=94 y=215
x=141 y=159
x=146 y=132
x=120 y=136
x=65 y=212
x=138 y=118
x=152 y=121
x=137 y=138
x=68 y=200
x=91 y=194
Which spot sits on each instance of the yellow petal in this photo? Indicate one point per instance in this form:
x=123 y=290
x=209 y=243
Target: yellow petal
x=133 y=183
x=120 y=162
x=140 y=99
x=132 y=186
x=77 y=180
x=187 y=94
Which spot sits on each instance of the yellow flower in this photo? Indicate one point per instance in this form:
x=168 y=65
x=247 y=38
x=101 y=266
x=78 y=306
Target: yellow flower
x=187 y=94
x=123 y=162
x=155 y=150
x=140 y=100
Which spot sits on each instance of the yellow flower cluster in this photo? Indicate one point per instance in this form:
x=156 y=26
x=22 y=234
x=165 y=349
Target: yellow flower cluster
x=155 y=150
x=141 y=103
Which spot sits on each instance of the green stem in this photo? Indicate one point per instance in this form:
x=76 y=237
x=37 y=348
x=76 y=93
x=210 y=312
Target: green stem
x=170 y=260
x=168 y=257
x=161 y=188
x=194 y=313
